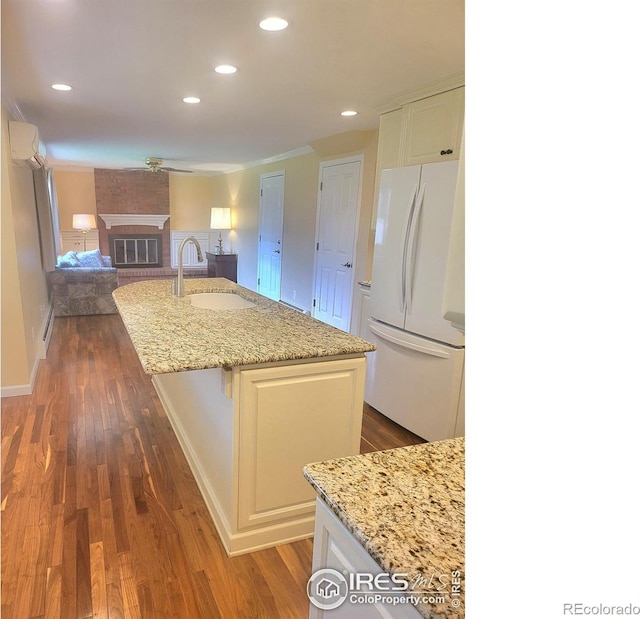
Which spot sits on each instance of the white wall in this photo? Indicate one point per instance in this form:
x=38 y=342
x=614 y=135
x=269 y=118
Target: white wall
x=192 y=198
x=25 y=300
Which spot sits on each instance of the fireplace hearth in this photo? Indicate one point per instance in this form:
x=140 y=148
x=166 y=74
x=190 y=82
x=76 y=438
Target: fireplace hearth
x=135 y=250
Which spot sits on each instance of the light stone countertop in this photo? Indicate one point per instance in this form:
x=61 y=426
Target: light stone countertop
x=406 y=508
x=170 y=335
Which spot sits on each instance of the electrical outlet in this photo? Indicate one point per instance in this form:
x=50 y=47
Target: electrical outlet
x=293 y=294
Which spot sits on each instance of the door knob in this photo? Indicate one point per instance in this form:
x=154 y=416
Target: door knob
x=347 y=264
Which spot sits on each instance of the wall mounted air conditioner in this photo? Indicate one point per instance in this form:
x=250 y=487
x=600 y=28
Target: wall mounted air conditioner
x=25 y=144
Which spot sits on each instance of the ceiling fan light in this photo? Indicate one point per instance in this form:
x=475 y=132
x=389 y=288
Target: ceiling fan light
x=273 y=24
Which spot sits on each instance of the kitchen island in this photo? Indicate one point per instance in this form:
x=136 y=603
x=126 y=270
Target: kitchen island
x=252 y=394
x=400 y=512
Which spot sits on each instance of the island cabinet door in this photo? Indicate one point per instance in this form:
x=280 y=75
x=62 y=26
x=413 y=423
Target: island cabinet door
x=293 y=415
x=335 y=548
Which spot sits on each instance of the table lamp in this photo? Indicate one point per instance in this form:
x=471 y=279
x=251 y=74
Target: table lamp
x=220 y=220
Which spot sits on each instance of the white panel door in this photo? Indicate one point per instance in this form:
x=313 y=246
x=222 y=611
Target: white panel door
x=270 y=234
x=335 y=242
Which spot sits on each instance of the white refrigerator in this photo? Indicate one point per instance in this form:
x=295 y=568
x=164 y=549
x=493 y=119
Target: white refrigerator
x=415 y=377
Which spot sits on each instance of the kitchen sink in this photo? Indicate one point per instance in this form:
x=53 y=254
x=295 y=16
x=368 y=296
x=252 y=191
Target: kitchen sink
x=219 y=301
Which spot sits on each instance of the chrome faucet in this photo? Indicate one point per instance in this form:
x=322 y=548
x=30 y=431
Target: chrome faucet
x=179 y=287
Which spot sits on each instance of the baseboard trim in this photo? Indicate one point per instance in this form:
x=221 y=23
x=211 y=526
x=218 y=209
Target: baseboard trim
x=42 y=346
x=15 y=390
x=270 y=536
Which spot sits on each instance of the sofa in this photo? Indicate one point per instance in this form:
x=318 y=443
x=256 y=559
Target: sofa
x=81 y=284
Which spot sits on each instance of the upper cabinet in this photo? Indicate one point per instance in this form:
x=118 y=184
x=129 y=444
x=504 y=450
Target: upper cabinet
x=390 y=140
x=433 y=128
x=423 y=131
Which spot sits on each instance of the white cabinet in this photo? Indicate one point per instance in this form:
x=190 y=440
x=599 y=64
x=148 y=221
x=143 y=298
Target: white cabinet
x=248 y=431
x=390 y=140
x=423 y=131
x=434 y=128
x=73 y=240
x=361 y=311
x=190 y=255
x=334 y=547
x=292 y=415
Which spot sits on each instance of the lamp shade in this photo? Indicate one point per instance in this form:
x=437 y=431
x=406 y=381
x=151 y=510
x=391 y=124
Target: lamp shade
x=84 y=221
x=220 y=218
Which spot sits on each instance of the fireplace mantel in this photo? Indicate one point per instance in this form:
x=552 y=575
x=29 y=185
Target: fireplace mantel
x=123 y=219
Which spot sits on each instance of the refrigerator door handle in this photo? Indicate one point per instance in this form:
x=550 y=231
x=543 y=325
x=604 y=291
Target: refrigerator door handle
x=411 y=248
x=405 y=251
x=422 y=348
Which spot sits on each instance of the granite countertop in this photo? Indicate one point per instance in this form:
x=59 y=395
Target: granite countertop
x=170 y=335
x=406 y=508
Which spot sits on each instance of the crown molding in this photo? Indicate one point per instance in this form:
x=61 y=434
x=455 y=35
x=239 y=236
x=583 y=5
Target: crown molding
x=281 y=157
x=434 y=88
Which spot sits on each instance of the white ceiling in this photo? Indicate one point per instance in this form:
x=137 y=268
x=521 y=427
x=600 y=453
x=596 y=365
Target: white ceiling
x=131 y=62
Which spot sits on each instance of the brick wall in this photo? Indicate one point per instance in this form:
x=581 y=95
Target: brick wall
x=133 y=192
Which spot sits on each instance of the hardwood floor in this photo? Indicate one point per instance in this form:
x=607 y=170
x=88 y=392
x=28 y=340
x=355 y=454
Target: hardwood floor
x=101 y=516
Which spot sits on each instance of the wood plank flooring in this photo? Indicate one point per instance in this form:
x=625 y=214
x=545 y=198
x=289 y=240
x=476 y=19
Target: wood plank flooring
x=101 y=516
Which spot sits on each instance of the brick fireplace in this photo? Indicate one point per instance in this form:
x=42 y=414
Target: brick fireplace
x=134 y=206
x=133 y=193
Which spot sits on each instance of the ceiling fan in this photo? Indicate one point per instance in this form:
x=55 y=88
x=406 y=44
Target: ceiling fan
x=154 y=164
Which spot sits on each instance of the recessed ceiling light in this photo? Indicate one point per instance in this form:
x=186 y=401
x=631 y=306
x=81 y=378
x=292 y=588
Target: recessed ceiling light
x=61 y=86
x=272 y=24
x=349 y=113
x=191 y=100
x=226 y=69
